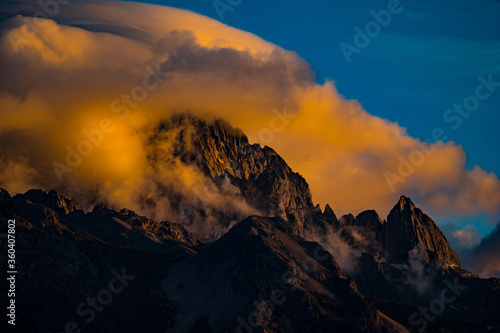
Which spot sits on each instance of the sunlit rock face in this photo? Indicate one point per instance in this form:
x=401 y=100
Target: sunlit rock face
x=256 y=175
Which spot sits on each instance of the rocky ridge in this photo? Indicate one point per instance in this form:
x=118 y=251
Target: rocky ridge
x=403 y=262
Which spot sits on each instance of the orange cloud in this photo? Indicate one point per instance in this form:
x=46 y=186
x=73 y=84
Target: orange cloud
x=64 y=81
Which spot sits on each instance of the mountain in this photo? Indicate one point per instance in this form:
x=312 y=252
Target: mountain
x=67 y=254
x=261 y=275
x=62 y=270
x=408 y=228
x=261 y=178
x=225 y=270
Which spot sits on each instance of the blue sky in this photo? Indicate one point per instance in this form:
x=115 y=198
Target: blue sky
x=426 y=59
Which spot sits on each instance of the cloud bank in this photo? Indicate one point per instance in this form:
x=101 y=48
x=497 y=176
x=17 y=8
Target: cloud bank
x=111 y=71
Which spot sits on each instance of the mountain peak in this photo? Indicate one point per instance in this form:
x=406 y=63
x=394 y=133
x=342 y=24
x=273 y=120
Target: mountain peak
x=4 y=194
x=258 y=176
x=407 y=228
x=346 y=219
x=369 y=214
x=370 y=220
x=52 y=199
x=405 y=203
x=329 y=213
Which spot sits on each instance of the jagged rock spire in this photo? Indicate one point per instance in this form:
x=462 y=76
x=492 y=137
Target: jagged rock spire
x=408 y=227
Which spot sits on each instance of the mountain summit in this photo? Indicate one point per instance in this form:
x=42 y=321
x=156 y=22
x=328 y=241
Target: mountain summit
x=256 y=175
x=408 y=228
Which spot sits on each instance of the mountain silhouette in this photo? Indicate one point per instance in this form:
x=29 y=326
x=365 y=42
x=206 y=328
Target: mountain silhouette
x=219 y=270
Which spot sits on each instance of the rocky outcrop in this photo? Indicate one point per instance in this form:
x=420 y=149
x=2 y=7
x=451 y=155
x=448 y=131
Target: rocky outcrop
x=361 y=232
x=129 y=229
x=329 y=214
x=32 y=215
x=408 y=228
x=53 y=200
x=262 y=177
x=369 y=221
x=41 y=210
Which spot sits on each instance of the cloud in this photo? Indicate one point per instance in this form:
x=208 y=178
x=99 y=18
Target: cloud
x=346 y=255
x=484 y=259
x=417 y=275
x=76 y=76
x=17 y=176
x=462 y=240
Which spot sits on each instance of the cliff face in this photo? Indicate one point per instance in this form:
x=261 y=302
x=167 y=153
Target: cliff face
x=263 y=178
x=408 y=228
